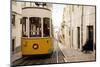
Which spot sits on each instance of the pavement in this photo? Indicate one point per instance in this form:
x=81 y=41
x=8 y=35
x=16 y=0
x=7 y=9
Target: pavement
x=74 y=55
x=16 y=56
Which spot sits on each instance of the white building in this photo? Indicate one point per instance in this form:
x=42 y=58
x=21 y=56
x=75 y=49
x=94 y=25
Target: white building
x=16 y=25
x=78 y=25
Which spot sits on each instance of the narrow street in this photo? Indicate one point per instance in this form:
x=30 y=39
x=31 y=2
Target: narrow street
x=60 y=55
x=76 y=55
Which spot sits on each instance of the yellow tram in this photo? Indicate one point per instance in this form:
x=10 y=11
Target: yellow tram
x=36 y=31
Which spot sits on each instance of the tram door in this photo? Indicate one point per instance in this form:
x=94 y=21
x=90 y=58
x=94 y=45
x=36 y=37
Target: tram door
x=90 y=36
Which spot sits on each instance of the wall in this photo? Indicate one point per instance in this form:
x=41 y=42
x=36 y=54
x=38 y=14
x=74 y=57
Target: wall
x=77 y=16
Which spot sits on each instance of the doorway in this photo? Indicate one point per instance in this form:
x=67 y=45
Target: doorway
x=78 y=37
x=90 y=36
x=13 y=44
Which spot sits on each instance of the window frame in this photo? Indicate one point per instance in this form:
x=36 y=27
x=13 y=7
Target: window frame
x=13 y=44
x=40 y=33
x=24 y=35
x=13 y=19
x=49 y=26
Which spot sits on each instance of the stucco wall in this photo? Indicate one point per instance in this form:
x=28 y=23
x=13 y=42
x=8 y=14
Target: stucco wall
x=72 y=18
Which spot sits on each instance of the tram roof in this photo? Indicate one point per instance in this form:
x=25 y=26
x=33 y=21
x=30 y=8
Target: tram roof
x=37 y=8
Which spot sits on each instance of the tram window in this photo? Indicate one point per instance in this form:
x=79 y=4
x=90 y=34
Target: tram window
x=24 y=26
x=35 y=27
x=46 y=27
x=40 y=4
x=13 y=20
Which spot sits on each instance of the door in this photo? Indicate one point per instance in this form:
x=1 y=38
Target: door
x=90 y=36
x=78 y=37
x=13 y=44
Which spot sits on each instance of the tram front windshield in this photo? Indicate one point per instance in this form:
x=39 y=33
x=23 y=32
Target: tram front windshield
x=36 y=27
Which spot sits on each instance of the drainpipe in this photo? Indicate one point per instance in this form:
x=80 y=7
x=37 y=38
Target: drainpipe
x=82 y=27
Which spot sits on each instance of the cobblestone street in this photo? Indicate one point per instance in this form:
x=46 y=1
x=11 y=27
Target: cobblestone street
x=73 y=55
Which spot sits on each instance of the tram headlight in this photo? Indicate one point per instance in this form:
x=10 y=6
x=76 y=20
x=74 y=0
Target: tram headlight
x=35 y=46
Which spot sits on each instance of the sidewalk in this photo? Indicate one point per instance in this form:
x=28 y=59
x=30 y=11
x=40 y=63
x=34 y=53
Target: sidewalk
x=73 y=55
x=16 y=56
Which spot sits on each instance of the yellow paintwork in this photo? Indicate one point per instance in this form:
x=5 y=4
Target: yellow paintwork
x=44 y=46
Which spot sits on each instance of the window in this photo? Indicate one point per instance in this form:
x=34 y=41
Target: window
x=46 y=27
x=24 y=27
x=24 y=3
x=13 y=44
x=44 y=4
x=40 y=4
x=13 y=20
x=35 y=27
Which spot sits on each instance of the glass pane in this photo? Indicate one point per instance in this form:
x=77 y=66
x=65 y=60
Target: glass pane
x=35 y=27
x=13 y=43
x=13 y=20
x=24 y=34
x=46 y=27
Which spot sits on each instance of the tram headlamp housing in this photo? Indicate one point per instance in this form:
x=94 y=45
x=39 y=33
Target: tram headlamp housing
x=35 y=46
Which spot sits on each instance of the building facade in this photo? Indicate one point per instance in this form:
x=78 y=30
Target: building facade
x=78 y=26
x=16 y=26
